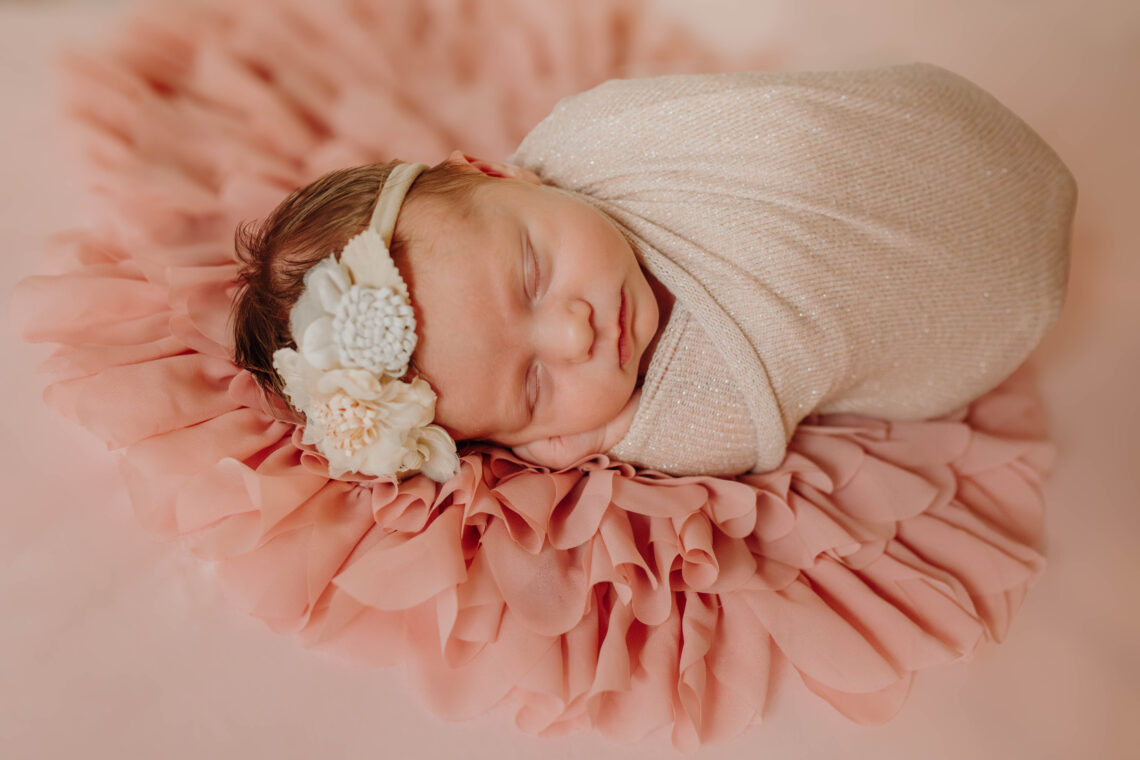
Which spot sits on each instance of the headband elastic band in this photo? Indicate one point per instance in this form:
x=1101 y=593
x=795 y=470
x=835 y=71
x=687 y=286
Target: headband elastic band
x=392 y=194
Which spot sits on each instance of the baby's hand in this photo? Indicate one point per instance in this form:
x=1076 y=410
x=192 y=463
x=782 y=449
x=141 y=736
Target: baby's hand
x=564 y=450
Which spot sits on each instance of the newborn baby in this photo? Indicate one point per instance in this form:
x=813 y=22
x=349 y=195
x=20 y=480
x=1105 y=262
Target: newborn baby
x=675 y=271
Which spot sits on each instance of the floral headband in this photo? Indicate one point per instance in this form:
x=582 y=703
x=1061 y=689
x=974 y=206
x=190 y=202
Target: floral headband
x=355 y=333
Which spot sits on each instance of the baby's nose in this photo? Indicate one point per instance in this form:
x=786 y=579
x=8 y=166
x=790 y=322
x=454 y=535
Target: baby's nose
x=569 y=336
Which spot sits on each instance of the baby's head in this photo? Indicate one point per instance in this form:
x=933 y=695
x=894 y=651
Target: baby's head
x=531 y=311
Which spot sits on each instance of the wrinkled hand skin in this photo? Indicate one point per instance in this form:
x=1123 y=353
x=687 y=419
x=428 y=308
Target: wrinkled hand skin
x=562 y=451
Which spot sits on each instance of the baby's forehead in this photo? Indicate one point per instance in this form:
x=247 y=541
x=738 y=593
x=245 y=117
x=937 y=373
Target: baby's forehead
x=455 y=235
x=427 y=211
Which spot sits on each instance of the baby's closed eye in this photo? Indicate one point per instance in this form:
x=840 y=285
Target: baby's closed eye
x=532 y=270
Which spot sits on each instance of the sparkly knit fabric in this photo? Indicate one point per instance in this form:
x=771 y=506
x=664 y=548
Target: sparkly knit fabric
x=890 y=242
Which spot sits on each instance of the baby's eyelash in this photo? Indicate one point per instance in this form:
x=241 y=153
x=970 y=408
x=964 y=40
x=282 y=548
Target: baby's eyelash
x=532 y=388
x=534 y=280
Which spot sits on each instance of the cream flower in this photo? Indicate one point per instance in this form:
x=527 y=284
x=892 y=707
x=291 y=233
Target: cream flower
x=368 y=424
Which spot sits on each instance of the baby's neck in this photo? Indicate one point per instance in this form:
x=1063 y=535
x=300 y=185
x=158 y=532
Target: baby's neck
x=664 y=309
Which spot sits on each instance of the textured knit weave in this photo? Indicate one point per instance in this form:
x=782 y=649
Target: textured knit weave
x=890 y=242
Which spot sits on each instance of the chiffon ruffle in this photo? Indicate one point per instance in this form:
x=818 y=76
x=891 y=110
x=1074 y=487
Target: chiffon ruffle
x=599 y=597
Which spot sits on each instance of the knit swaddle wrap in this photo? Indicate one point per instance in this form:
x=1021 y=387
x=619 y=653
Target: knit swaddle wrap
x=890 y=242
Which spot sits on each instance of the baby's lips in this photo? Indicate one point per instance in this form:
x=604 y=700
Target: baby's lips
x=624 y=340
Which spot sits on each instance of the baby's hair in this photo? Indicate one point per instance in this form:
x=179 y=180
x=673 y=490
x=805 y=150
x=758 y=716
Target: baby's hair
x=312 y=222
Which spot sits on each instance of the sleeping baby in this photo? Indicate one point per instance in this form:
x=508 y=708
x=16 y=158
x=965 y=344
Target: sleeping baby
x=672 y=271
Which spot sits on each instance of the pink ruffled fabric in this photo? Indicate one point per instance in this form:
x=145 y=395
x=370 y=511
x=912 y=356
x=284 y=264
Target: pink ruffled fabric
x=599 y=597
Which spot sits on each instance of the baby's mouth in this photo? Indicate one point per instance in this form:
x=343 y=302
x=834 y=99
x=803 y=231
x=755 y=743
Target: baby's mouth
x=623 y=343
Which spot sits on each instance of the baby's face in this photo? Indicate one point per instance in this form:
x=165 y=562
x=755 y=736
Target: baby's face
x=533 y=312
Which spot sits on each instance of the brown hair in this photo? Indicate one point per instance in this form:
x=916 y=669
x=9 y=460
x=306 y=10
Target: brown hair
x=312 y=222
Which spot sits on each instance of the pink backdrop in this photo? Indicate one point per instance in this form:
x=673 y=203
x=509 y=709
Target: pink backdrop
x=118 y=646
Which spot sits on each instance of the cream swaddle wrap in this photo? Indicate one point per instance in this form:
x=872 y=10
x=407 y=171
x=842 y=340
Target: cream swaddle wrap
x=890 y=242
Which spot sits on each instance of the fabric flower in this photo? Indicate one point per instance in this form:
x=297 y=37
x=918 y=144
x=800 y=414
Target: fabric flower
x=373 y=328
x=355 y=312
x=364 y=423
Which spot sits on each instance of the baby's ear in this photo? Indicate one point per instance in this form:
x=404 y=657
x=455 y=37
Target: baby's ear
x=493 y=168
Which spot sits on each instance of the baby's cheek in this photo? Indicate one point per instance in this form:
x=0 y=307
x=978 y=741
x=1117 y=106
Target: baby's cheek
x=593 y=406
x=447 y=417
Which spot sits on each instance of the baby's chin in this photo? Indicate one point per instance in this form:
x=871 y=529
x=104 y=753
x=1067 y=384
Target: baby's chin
x=568 y=432
x=603 y=406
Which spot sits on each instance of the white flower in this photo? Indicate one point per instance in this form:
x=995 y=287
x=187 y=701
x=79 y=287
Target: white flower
x=324 y=284
x=356 y=312
x=368 y=424
x=374 y=328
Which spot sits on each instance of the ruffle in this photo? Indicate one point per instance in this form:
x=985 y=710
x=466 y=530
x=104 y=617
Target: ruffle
x=597 y=597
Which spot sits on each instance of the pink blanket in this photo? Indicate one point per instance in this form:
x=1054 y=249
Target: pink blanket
x=597 y=597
